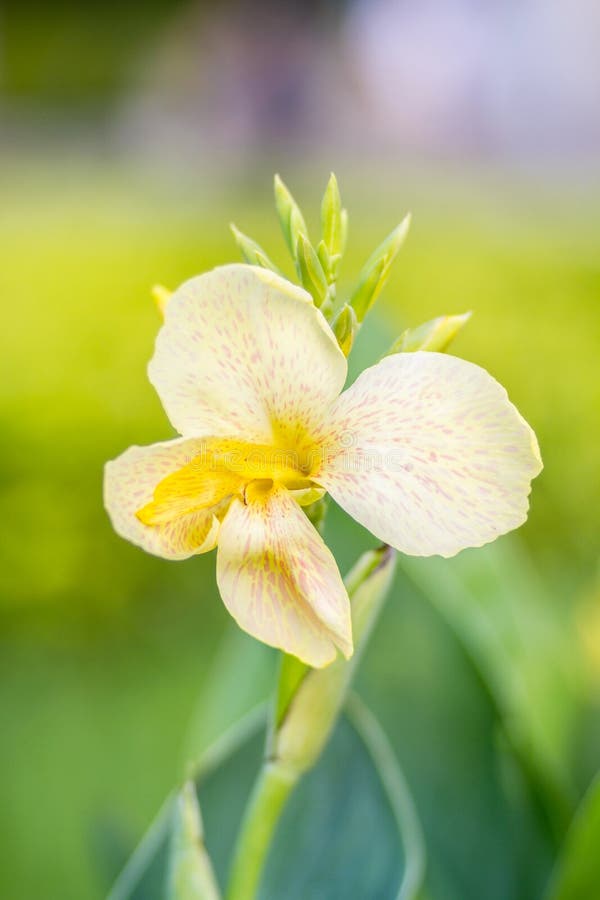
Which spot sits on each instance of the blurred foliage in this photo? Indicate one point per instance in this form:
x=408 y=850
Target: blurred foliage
x=104 y=650
x=67 y=54
x=318 y=850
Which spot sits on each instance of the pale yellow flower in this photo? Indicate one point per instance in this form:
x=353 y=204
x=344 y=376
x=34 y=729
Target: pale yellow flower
x=425 y=450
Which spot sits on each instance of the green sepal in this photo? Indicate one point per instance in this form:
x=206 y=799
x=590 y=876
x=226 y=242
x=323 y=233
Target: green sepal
x=252 y=252
x=436 y=334
x=190 y=873
x=311 y=271
x=345 y=327
x=291 y=219
x=375 y=272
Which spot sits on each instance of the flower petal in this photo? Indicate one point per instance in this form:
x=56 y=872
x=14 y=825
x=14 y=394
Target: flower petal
x=279 y=580
x=129 y=485
x=427 y=452
x=245 y=352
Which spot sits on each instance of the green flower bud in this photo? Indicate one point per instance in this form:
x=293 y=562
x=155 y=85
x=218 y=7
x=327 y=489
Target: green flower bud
x=331 y=217
x=343 y=231
x=290 y=217
x=345 y=328
x=376 y=270
x=324 y=258
x=434 y=335
x=311 y=271
x=252 y=252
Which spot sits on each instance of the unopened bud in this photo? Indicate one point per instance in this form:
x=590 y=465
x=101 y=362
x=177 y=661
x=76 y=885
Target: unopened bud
x=345 y=327
x=331 y=217
x=434 y=335
x=311 y=271
x=376 y=270
x=252 y=252
x=291 y=219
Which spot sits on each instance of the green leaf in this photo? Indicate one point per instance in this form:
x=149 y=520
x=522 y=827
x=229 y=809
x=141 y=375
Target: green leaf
x=190 y=874
x=436 y=334
x=350 y=829
x=522 y=648
x=577 y=872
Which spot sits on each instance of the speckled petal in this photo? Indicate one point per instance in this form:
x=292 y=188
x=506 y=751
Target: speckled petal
x=427 y=452
x=129 y=484
x=279 y=580
x=245 y=352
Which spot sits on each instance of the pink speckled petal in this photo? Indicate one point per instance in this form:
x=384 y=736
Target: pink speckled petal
x=245 y=352
x=129 y=483
x=279 y=580
x=427 y=452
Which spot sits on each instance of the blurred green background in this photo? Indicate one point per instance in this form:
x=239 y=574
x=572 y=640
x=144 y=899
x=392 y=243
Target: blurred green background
x=485 y=670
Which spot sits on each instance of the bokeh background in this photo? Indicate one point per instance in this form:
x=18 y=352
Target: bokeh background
x=131 y=135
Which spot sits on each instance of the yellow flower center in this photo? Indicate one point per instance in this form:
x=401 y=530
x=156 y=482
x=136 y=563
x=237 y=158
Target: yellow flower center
x=224 y=468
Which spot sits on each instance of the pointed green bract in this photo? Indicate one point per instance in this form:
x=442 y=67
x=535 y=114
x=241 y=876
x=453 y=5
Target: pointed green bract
x=436 y=334
x=252 y=252
x=375 y=272
x=190 y=872
x=291 y=219
x=311 y=271
x=345 y=328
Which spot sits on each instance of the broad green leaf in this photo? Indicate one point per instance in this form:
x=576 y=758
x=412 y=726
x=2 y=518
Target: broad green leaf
x=349 y=831
x=523 y=651
x=577 y=872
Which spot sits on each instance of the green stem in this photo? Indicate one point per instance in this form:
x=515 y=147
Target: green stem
x=270 y=793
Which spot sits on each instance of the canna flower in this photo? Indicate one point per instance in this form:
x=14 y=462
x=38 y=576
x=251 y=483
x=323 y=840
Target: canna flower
x=425 y=450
